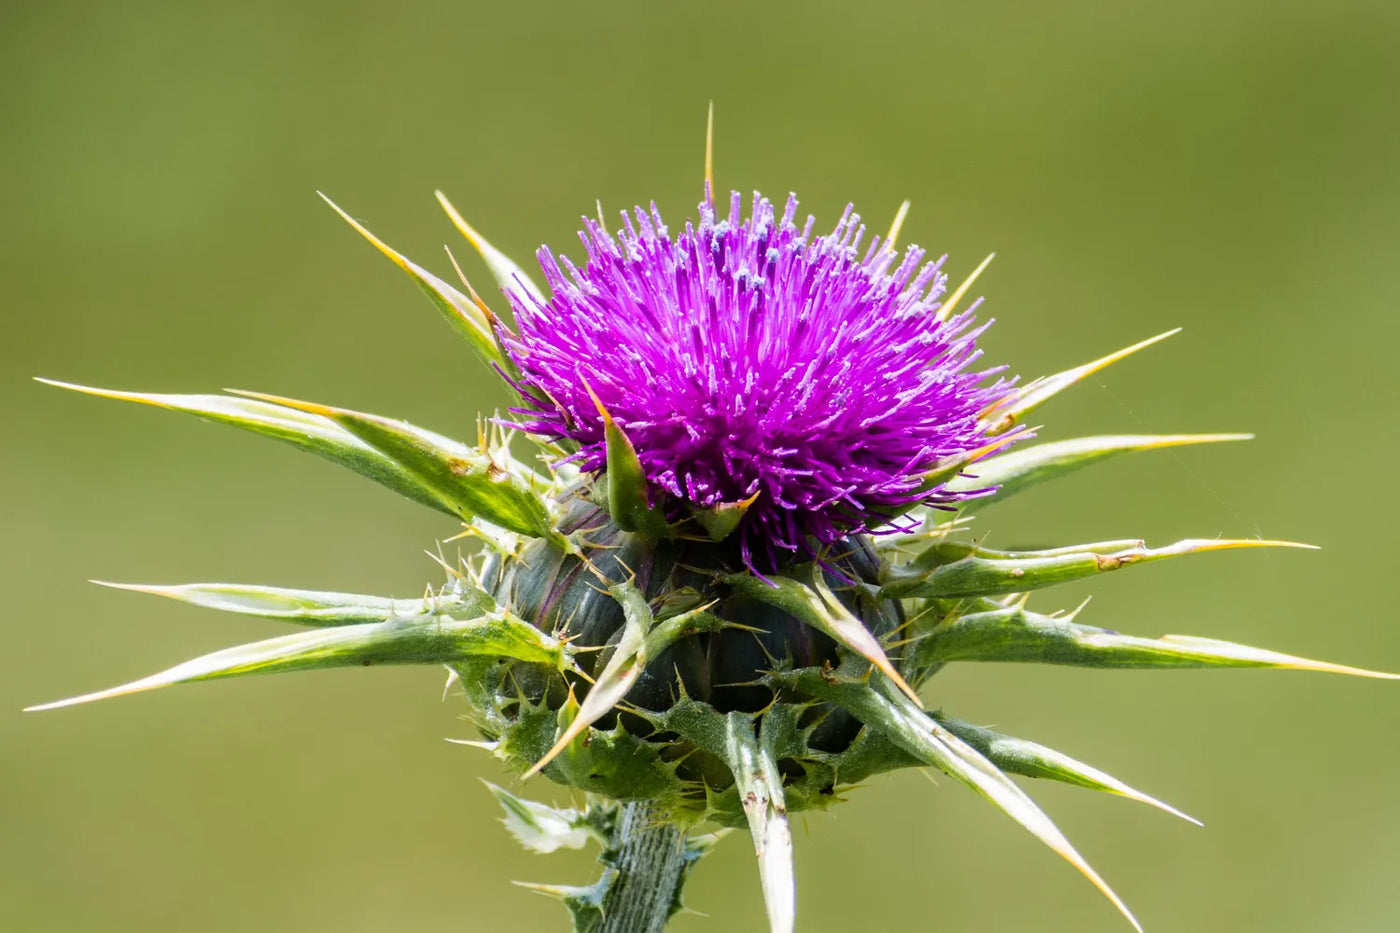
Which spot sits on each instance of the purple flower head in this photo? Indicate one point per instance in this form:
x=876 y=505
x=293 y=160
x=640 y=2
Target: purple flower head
x=746 y=357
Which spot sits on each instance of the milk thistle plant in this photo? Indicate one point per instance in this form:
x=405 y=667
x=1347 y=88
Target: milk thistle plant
x=744 y=542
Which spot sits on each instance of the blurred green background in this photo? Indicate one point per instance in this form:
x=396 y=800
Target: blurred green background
x=1230 y=167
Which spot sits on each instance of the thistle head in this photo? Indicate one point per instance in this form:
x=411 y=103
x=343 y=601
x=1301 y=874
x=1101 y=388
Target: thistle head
x=816 y=379
x=721 y=610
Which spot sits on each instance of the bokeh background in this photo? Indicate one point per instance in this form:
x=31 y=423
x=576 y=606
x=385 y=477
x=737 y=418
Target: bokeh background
x=1230 y=167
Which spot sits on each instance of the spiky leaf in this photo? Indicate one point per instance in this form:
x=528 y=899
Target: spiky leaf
x=542 y=828
x=949 y=570
x=305 y=607
x=439 y=639
x=919 y=735
x=1017 y=634
x=466 y=479
x=303 y=430
x=1021 y=469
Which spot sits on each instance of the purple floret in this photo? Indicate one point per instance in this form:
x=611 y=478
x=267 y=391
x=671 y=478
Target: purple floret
x=747 y=356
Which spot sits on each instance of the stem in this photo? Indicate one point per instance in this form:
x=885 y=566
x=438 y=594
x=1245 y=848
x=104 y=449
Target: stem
x=650 y=863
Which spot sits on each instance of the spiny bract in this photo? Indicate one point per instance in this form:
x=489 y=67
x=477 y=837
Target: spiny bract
x=743 y=548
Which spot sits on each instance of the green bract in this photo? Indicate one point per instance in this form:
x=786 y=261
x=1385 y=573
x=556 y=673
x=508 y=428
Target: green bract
x=625 y=650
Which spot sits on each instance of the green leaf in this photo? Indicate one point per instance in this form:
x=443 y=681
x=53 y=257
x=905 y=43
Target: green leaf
x=1021 y=469
x=928 y=741
x=945 y=571
x=1029 y=759
x=465 y=316
x=810 y=600
x=541 y=828
x=509 y=276
x=466 y=479
x=1004 y=415
x=1015 y=634
x=306 y=607
x=309 y=432
x=436 y=640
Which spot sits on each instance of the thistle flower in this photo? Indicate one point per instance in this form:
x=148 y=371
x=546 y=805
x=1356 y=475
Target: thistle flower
x=751 y=363
x=747 y=543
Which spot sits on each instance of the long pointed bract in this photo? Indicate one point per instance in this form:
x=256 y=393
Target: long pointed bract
x=760 y=789
x=1008 y=412
x=1021 y=469
x=305 y=431
x=1030 y=759
x=460 y=312
x=439 y=641
x=509 y=276
x=971 y=571
x=923 y=737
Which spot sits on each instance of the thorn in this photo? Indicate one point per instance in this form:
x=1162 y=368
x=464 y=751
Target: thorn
x=710 y=152
x=895 y=227
x=948 y=307
x=471 y=292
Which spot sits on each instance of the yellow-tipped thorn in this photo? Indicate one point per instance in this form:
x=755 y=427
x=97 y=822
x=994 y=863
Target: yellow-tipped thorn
x=172 y=592
x=1225 y=544
x=145 y=398
x=393 y=255
x=508 y=275
x=893 y=236
x=312 y=408
x=710 y=152
x=1009 y=410
x=466 y=283
x=946 y=310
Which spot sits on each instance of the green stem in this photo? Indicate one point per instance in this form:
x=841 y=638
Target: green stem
x=650 y=859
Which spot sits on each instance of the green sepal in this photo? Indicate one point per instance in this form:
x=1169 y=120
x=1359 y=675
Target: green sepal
x=467 y=480
x=309 y=432
x=950 y=570
x=304 y=607
x=462 y=314
x=1012 y=472
x=908 y=727
x=1030 y=759
x=805 y=596
x=624 y=489
x=438 y=639
x=720 y=521
x=1008 y=412
x=1016 y=634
